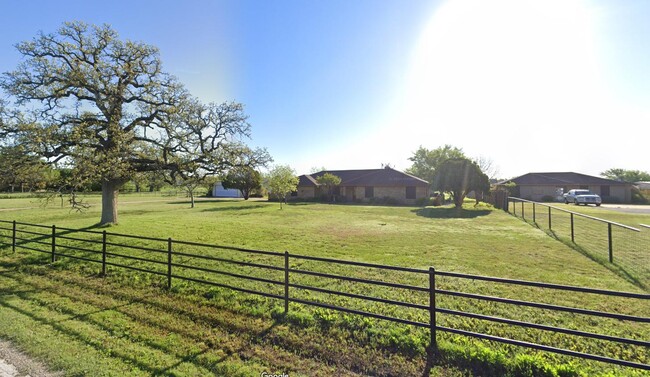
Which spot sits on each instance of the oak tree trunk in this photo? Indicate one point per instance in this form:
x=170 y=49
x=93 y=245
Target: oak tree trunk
x=110 y=191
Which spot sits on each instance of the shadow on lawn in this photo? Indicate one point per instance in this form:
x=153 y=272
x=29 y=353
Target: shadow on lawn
x=209 y=335
x=208 y=339
x=103 y=300
x=233 y=208
x=450 y=212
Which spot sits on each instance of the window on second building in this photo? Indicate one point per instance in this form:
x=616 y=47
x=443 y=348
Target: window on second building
x=410 y=192
x=370 y=192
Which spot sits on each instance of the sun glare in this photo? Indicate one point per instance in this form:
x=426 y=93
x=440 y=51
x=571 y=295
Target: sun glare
x=508 y=66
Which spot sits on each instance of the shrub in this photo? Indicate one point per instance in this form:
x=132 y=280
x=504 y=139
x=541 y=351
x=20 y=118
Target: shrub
x=422 y=202
x=548 y=198
x=390 y=201
x=637 y=197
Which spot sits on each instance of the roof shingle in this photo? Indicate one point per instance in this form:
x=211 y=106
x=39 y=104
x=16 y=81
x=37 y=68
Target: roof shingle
x=366 y=177
x=561 y=178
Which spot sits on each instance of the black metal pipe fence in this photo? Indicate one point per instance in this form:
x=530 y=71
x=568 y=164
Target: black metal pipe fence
x=626 y=247
x=171 y=260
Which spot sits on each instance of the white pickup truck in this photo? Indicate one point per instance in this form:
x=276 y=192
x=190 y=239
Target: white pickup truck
x=581 y=196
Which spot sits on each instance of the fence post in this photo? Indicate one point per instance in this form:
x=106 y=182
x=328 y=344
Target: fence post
x=534 y=219
x=611 y=245
x=169 y=263
x=13 y=238
x=432 y=311
x=572 y=233
x=53 y=243
x=549 y=219
x=514 y=209
x=286 y=282
x=104 y=253
x=523 y=216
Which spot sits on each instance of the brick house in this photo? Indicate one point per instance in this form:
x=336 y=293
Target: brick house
x=365 y=186
x=542 y=186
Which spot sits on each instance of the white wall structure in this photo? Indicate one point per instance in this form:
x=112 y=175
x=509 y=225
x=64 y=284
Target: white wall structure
x=219 y=192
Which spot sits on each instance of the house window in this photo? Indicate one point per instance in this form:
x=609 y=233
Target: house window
x=336 y=190
x=410 y=192
x=294 y=193
x=370 y=192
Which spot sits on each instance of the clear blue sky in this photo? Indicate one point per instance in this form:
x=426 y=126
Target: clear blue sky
x=554 y=85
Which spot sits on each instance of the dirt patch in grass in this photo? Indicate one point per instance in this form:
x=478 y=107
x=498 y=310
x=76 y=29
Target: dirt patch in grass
x=21 y=363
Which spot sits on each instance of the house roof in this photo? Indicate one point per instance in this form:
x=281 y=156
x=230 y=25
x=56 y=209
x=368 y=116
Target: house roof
x=562 y=178
x=366 y=177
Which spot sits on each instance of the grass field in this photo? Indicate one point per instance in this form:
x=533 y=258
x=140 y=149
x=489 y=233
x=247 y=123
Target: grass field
x=631 y=219
x=630 y=245
x=128 y=323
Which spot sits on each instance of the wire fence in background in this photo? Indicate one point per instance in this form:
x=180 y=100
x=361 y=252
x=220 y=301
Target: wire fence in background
x=623 y=247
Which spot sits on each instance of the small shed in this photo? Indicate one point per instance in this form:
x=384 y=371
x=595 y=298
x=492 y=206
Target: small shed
x=219 y=192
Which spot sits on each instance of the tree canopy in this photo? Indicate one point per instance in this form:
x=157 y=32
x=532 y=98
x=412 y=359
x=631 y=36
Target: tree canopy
x=244 y=178
x=280 y=181
x=625 y=175
x=329 y=180
x=460 y=176
x=426 y=162
x=104 y=107
x=19 y=169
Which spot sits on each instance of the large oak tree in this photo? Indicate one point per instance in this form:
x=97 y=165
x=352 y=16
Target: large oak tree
x=105 y=107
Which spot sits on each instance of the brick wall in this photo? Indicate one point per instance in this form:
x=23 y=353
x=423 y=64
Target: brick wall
x=359 y=193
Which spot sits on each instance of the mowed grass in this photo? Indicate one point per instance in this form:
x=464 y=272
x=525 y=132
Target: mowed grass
x=630 y=247
x=632 y=219
x=476 y=241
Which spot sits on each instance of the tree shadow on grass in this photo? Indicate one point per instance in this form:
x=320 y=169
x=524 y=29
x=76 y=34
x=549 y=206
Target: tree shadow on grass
x=72 y=313
x=616 y=268
x=233 y=208
x=210 y=200
x=303 y=203
x=450 y=212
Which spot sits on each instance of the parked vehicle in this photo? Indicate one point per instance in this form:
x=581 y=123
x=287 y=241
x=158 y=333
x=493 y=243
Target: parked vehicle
x=581 y=196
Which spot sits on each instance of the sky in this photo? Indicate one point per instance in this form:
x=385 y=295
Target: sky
x=533 y=86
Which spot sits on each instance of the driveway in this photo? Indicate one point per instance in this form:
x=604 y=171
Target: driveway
x=628 y=208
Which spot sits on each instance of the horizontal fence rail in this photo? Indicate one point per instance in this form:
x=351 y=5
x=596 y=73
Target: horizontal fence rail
x=608 y=242
x=172 y=260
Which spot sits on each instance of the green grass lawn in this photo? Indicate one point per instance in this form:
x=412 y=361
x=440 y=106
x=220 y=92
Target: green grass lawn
x=630 y=219
x=127 y=322
x=631 y=258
